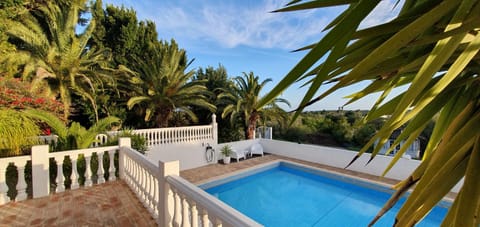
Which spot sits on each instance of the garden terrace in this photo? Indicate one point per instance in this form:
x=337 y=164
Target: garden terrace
x=158 y=187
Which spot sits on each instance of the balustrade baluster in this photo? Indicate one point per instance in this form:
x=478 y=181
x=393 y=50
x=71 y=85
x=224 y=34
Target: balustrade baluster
x=217 y=222
x=130 y=171
x=100 y=171
x=150 y=203
x=88 y=171
x=60 y=183
x=126 y=169
x=162 y=137
x=75 y=174
x=154 y=137
x=134 y=177
x=144 y=185
x=138 y=179
x=150 y=138
x=205 y=220
x=22 y=185
x=185 y=213
x=194 y=212
x=153 y=193
x=185 y=136
x=175 y=136
x=156 y=198
x=178 y=209
x=111 y=175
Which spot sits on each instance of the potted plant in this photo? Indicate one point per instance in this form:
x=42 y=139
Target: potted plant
x=226 y=151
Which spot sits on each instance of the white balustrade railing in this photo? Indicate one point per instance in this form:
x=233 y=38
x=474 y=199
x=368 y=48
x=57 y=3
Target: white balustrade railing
x=166 y=136
x=40 y=171
x=170 y=199
x=177 y=135
x=263 y=132
x=141 y=176
x=158 y=136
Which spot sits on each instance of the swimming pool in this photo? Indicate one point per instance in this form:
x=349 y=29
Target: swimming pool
x=286 y=194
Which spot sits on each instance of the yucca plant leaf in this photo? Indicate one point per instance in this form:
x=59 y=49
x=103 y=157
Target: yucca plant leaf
x=314 y=4
x=464 y=216
x=432 y=47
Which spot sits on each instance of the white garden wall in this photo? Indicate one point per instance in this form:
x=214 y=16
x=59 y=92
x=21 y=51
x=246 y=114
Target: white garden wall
x=191 y=155
x=340 y=158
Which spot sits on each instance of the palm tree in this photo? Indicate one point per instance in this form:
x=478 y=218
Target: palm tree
x=49 y=46
x=74 y=136
x=433 y=47
x=243 y=102
x=165 y=87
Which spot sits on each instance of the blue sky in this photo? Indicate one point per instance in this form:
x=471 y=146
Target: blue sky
x=243 y=36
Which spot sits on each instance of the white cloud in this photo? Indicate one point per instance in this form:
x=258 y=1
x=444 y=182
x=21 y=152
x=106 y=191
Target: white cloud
x=233 y=25
x=385 y=11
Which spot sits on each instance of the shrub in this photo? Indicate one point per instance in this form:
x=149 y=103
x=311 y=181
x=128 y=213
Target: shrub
x=17 y=132
x=139 y=143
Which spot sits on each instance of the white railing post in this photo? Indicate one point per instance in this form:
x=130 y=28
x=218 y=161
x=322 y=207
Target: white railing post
x=122 y=142
x=40 y=171
x=214 y=129
x=165 y=203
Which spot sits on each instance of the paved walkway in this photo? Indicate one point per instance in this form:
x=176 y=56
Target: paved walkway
x=108 y=204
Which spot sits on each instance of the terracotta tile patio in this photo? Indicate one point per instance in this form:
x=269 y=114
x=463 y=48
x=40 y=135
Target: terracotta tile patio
x=109 y=204
x=113 y=204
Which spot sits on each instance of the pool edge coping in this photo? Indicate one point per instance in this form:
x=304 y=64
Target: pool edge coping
x=363 y=182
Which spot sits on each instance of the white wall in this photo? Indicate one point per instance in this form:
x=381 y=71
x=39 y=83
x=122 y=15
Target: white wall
x=190 y=155
x=340 y=158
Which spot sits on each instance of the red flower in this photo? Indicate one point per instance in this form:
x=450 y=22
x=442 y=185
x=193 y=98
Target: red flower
x=47 y=131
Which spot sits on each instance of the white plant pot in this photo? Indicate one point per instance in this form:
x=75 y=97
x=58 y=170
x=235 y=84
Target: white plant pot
x=226 y=160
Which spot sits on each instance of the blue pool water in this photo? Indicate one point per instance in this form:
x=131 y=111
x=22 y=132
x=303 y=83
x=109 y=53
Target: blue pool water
x=290 y=195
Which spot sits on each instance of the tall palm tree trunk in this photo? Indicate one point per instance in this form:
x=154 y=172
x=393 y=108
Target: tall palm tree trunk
x=162 y=117
x=252 y=125
x=65 y=98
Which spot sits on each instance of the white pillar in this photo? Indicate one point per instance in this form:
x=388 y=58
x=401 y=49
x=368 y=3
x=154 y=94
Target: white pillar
x=122 y=142
x=40 y=171
x=214 y=130
x=165 y=201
